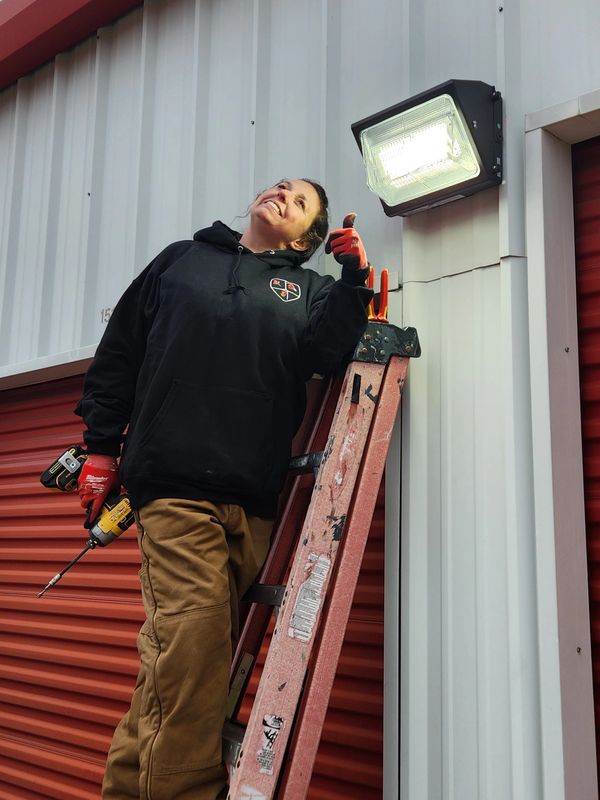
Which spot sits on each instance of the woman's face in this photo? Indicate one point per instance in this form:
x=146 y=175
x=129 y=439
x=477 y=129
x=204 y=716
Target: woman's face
x=284 y=213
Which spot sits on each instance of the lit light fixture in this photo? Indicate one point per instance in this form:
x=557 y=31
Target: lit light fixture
x=433 y=148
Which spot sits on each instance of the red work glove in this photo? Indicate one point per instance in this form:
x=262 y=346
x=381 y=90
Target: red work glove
x=98 y=477
x=346 y=245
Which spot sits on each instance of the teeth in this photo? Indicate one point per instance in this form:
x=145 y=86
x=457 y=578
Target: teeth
x=275 y=206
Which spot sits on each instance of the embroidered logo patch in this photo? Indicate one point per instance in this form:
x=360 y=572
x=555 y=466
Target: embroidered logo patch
x=285 y=290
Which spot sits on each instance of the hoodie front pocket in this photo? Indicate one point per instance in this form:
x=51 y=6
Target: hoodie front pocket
x=213 y=437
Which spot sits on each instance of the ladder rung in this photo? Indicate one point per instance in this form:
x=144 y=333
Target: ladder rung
x=233 y=735
x=309 y=462
x=269 y=595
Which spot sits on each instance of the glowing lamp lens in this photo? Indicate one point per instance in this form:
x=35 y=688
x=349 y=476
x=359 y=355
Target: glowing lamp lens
x=419 y=151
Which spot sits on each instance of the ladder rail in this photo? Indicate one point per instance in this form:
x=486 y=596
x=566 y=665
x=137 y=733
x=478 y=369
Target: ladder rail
x=313 y=706
x=273 y=571
x=269 y=728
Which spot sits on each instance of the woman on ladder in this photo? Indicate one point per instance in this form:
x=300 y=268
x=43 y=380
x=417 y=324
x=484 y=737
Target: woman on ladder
x=204 y=361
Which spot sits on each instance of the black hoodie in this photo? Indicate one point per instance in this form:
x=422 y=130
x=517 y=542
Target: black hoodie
x=206 y=357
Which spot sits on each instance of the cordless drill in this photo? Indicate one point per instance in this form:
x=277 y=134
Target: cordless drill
x=62 y=474
x=116 y=514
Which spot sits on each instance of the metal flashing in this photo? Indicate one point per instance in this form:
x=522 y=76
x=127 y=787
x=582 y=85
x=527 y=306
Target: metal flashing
x=34 y=31
x=572 y=121
x=46 y=368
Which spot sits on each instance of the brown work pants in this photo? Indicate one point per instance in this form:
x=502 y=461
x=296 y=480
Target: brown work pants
x=198 y=559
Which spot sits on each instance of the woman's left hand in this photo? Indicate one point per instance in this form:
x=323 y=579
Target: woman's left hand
x=346 y=245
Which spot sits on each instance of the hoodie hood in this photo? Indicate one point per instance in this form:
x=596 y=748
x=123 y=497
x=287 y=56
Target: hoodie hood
x=225 y=238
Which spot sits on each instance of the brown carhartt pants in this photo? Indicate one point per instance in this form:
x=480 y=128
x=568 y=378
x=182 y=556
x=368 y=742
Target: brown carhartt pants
x=198 y=559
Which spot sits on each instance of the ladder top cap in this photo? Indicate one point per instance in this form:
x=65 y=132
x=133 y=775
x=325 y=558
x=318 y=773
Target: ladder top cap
x=381 y=341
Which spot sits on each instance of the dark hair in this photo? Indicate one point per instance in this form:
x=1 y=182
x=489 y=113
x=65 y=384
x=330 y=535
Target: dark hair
x=316 y=234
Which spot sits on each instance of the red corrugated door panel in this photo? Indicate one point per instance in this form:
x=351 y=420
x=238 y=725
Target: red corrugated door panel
x=349 y=762
x=586 y=195
x=69 y=659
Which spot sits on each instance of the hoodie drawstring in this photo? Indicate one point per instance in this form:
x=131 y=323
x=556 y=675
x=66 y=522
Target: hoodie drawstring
x=234 y=284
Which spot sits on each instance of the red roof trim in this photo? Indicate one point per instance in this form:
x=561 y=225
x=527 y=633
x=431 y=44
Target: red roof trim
x=34 y=31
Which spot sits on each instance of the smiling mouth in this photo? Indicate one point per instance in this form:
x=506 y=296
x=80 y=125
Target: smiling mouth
x=274 y=206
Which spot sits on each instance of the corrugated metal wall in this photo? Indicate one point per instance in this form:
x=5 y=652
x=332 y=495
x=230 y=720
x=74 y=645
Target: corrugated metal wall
x=69 y=659
x=469 y=720
x=586 y=201
x=172 y=117
x=181 y=110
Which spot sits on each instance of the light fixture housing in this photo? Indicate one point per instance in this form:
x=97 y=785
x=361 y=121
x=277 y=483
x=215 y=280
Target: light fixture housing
x=438 y=146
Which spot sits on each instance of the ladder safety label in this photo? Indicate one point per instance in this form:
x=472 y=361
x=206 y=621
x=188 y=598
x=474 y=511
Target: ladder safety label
x=272 y=725
x=249 y=793
x=308 y=602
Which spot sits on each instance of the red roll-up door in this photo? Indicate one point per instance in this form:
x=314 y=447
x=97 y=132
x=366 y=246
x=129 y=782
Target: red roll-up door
x=586 y=195
x=68 y=660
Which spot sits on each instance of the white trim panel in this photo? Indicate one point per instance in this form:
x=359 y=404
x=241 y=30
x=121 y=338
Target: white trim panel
x=566 y=695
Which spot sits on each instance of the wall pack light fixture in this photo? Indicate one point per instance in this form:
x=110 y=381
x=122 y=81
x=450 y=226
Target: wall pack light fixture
x=440 y=145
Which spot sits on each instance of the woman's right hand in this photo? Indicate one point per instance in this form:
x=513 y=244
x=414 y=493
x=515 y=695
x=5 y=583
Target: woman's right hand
x=99 y=476
x=346 y=245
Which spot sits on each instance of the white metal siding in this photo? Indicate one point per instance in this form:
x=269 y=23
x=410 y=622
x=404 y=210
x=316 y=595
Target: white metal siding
x=470 y=724
x=182 y=109
x=463 y=700
x=172 y=117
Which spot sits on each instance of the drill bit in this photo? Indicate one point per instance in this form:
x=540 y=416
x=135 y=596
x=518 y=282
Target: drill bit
x=58 y=576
